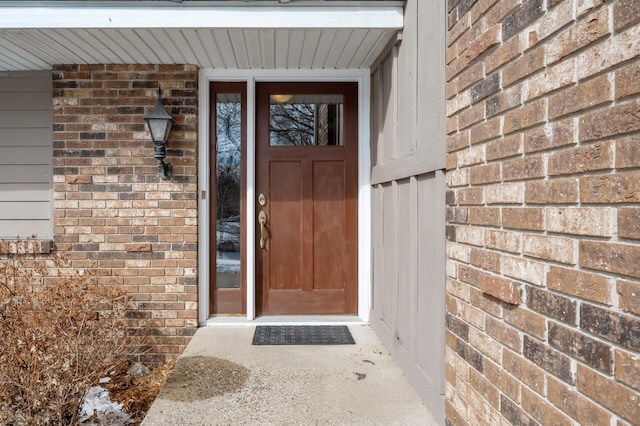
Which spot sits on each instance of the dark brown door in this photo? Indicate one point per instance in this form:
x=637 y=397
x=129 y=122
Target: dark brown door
x=306 y=198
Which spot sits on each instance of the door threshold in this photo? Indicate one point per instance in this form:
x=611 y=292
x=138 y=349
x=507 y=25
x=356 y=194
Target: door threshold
x=285 y=320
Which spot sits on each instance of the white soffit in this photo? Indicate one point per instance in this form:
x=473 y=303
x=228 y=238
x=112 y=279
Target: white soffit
x=241 y=37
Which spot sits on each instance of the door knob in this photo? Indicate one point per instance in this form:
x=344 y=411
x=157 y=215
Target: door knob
x=262 y=220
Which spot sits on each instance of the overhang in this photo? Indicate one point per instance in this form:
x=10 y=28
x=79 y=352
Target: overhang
x=302 y=34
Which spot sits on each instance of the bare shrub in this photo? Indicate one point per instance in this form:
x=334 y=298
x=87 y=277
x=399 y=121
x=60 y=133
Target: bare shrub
x=60 y=332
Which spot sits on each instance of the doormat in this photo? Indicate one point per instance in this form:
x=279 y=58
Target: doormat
x=302 y=335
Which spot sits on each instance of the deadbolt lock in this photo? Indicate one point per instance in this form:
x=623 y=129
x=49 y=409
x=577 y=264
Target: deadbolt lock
x=262 y=200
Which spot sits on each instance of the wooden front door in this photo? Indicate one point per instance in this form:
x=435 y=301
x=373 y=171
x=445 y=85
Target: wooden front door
x=306 y=198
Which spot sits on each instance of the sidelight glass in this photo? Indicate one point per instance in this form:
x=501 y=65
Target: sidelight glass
x=306 y=120
x=228 y=174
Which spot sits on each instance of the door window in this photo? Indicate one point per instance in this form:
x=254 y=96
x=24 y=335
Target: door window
x=305 y=120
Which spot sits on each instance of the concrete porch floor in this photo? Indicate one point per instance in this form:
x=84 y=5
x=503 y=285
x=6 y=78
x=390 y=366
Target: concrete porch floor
x=299 y=385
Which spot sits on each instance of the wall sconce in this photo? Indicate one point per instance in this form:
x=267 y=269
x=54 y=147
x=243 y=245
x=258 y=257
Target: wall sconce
x=159 y=123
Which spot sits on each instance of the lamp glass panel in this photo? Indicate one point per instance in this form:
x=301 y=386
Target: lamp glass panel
x=159 y=129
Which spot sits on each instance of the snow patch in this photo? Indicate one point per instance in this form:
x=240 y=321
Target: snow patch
x=98 y=409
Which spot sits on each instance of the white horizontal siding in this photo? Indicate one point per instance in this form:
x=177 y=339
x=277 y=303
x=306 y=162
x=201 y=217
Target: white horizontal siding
x=25 y=154
x=232 y=48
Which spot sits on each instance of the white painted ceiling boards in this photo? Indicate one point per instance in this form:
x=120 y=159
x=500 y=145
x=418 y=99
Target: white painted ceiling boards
x=260 y=34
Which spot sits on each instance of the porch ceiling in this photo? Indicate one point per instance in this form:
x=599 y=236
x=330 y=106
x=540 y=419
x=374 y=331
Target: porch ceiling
x=250 y=35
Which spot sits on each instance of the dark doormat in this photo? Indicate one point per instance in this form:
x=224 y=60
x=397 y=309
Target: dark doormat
x=302 y=335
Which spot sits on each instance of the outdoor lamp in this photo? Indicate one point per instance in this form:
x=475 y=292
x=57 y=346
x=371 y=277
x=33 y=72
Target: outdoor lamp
x=159 y=122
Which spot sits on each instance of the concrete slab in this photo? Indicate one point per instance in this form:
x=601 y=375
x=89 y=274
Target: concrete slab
x=303 y=385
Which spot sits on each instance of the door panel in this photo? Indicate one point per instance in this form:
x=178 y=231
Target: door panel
x=328 y=221
x=306 y=168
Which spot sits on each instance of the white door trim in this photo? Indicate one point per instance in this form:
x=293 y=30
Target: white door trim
x=364 y=187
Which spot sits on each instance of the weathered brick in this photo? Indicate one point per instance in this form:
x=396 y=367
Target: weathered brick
x=552 y=305
x=471 y=156
x=511 y=193
x=521 y=16
x=592 y=221
x=628 y=80
x=470 y=116
x=503 y=54
x=457 y=288
x=628 y=223
x=541 y=410
x=458 y=327
x=486 y=174
x=485 y=131
x=471 y=355
x=514 y=413
x=526 y=320
x=610 y=394
x=615 y=188
x=522 y=269
x=549 y=136
x=458 y=177
x=523 y=168
x=581 y=347
x=617 y=258
x=485 y=259
x=486 y=389
x=503 y=333
x=458 y=141
x=485 y=302
x=628 y=152
x=508 y=384
x=597 y=156
x=523 y=218
x=627 y=368
x=549 y=80
x=620 y=329
x=585 y=32
x=583 y=96
x=471 y=75
x=470 y=196
x=556 y=249
x=527 y=116
x=505 y=100
x=484 y=216
x=580 y=284
x=500 y=288
x=559 y=191
x=608 y=53
x=486 y=87
x=502 y=240
x=481 y=44
x=625 y=12
x=523 y=67
x=549 y=359
x=616 y=120
x=629 y=295
x=575 y=405
x=508 y=146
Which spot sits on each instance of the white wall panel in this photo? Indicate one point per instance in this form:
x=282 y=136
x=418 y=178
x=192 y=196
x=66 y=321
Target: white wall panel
x=408 y=148
x=25 y=155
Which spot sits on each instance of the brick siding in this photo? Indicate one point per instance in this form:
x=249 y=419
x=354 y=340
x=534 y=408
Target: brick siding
x=111 y=210
x=543 y=228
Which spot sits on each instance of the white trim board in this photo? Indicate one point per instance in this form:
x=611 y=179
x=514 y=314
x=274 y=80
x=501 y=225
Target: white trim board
x=364 y=187
x=390 y=17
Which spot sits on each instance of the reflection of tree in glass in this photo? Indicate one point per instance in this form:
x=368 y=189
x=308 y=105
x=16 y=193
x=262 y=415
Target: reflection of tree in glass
x=293 y=124
x=228 y=134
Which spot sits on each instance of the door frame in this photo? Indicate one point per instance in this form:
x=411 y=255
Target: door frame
x=251 y=77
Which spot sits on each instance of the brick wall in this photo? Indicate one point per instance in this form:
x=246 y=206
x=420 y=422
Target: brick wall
x=543 y=216
x=111 y=210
